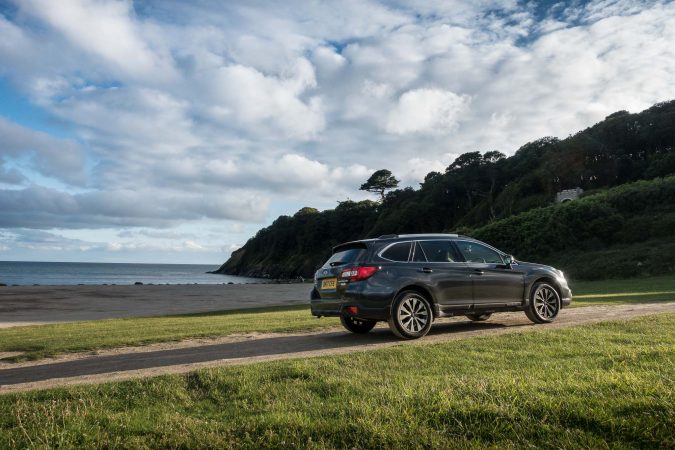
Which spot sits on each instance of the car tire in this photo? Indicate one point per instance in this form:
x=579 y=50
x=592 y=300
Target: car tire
x=358 y=326
x=544 y=303
x=479 y=317
x=411 y=315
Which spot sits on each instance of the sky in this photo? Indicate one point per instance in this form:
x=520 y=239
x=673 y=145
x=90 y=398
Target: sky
x=170 y=132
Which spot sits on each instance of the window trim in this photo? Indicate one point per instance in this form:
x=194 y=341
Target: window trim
x=453 y=243
x=414 y=247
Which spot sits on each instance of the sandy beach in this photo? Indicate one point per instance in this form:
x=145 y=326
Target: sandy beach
x=36 y=305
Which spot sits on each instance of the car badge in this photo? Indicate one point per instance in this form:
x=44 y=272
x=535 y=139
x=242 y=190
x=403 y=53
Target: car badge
x=325 y=272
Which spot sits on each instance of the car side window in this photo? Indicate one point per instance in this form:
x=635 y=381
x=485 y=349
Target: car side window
x=477 y=253
x=438 y=251
x=398 y=252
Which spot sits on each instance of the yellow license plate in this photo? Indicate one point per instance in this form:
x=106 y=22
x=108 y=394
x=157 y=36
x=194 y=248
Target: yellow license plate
x=329 y=283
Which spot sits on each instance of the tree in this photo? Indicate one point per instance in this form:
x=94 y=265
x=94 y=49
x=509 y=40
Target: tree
x=379 y=182
x=479 y=175
x=492 y=164
x=464 y=169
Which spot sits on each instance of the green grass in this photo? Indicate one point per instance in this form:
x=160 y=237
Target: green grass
x=631 y=290
x=660 y=283
x=607 y=385
x=42 y=341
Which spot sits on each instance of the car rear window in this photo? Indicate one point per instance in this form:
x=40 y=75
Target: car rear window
x=345 y=256
x=397 y=252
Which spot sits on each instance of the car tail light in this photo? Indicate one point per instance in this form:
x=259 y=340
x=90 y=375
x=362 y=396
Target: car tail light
x=352 y=310
x=359 y=273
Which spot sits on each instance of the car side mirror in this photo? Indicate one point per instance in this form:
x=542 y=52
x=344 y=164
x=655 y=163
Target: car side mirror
x=508 y=260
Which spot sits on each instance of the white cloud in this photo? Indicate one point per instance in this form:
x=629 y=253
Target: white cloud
x=328 y=61
x=418 y=168
x=105 y=29
x=427 y=110
x=114 y=247
x=59 y=158
x=39 y=207
x=248 y=96
x=43 y=241
x=177 y=113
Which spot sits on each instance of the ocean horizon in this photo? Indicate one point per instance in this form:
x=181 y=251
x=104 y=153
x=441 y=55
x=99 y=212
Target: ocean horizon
x=29 y=273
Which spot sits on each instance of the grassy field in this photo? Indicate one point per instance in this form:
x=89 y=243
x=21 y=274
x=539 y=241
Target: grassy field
x=631 y=290
x=539 y=389
x=37 y=342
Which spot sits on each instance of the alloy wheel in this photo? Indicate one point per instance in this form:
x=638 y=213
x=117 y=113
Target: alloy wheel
x=413 y=314
x=546 y=302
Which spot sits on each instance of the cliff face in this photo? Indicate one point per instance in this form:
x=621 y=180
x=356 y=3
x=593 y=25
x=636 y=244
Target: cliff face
x=232 y=265
x=239 y=265
x=476 y=190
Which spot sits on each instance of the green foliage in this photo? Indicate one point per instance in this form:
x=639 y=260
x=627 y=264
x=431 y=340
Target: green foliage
x=380 y=182
x=298 y=245
x=306 y=211
x=641 y=259
x=625 y=231
x=479 y=189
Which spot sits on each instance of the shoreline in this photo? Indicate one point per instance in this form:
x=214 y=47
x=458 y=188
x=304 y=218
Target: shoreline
x=30 y=273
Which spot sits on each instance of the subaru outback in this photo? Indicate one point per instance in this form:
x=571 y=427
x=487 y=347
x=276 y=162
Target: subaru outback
x=410 y=280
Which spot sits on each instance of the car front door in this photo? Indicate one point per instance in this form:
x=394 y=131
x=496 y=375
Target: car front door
x=494 y=283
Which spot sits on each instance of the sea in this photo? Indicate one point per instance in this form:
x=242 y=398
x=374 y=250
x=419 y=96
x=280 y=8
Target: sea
x=75 y=273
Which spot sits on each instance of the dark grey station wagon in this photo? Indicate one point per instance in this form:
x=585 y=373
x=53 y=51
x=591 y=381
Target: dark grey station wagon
x=410 y=280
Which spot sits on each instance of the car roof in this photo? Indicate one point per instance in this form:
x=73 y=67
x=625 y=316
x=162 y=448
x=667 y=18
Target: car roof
x=395 y=237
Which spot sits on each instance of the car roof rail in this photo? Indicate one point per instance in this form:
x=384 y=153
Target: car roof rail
x=420 y=235
x=429 y=235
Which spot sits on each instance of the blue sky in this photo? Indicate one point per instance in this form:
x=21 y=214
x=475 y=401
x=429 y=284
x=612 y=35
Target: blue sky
x=170 y=131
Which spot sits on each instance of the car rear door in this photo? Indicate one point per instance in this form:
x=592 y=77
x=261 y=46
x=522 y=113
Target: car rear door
x=494 y=283
x=327 y=278
x=440 y=269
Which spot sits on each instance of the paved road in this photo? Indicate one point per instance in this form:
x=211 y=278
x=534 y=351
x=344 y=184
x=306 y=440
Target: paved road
x=36 y=305
x=176 y=358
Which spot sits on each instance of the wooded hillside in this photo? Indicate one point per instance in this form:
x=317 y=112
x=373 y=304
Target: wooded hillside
x=485 y=194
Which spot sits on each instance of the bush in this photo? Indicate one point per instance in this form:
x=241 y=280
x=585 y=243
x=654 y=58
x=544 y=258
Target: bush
x=626 y=214
x=654 y=257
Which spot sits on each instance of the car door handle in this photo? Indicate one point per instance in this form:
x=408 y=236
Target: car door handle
x=478 y=271
x=425 y=270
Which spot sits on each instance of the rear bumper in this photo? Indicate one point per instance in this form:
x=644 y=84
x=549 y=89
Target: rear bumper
x=334 y=307
x=364 y=313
